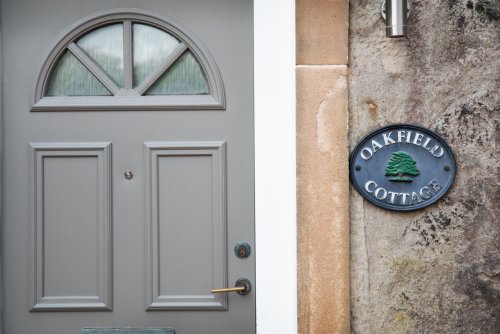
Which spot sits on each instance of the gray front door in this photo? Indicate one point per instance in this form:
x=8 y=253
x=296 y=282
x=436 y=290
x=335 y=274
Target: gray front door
x=127 y=181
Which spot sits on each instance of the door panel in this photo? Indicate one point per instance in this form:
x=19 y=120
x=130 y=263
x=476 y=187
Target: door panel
x=72 y=227
x=84 y=246
x=186 y=205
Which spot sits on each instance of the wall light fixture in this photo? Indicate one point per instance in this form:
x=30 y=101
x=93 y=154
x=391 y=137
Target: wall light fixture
x=396 y=13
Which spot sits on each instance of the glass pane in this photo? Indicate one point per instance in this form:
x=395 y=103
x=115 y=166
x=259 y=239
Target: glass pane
x=105 y=47
x=184 y=77
x=151 y=47
x=71 y=78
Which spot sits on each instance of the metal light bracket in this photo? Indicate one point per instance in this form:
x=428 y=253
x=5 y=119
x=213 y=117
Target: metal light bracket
x=383 y=14
x=395 y=14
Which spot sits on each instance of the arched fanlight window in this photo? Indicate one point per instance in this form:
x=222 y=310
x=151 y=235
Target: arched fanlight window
x=129 y=61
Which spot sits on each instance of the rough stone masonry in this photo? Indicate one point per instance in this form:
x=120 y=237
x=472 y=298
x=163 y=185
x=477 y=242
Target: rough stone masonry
x=435 y=270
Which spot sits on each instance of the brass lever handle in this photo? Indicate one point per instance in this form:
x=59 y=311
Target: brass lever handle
x=235 y=289
x=242 y=287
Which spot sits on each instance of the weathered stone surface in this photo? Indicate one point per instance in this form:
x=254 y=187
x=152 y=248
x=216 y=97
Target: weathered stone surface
x=436 y=270
x=322 y=200
x=322 y=29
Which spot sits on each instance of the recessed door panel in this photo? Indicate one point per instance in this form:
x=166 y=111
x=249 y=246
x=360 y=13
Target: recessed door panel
x=72 y=231
x=187 y=224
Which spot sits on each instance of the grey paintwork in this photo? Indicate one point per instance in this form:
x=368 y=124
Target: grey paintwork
x=71 y=234
x=30 y=28
x=127 y=331
x=185 y=214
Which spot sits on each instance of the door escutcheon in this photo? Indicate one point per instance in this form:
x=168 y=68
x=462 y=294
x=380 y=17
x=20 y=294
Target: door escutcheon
x=242 y=250
x=242 y=287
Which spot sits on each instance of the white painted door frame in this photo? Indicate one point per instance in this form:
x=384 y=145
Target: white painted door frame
x=275 y=166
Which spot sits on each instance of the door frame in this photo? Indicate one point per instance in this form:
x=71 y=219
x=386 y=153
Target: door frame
x=275 y=166
x=275 y=177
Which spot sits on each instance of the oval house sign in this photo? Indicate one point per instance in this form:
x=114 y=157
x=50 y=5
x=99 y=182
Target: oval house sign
x=402 y=167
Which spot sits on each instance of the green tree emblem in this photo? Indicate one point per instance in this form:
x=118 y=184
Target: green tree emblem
x=400 y=165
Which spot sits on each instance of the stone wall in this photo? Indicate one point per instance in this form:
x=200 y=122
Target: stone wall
x=322 y=167
x=435 y=270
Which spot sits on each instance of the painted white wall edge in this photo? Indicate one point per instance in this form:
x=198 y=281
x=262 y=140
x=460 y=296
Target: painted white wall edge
x=275 y=166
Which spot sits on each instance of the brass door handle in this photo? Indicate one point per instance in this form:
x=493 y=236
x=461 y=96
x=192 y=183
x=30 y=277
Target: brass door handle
x=242 y=287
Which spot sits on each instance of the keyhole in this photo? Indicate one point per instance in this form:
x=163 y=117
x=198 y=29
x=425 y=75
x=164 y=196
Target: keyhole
x=242 y=250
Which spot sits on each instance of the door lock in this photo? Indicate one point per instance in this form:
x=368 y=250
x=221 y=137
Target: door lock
x=242 y=287
x=242 y=250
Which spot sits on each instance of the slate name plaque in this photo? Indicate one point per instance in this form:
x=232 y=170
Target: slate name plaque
x=402 y=167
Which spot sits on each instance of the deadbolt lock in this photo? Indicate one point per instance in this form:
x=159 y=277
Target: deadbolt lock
x=242 y=250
